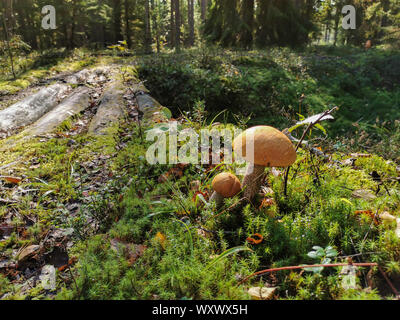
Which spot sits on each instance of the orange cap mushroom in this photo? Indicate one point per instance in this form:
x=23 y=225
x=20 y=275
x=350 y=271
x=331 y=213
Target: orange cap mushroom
x=225 y=185
x=272 y=148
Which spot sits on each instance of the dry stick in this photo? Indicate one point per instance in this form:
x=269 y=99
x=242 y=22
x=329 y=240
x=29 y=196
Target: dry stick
x=389 y=283
x=367 y=264
x=312 y=124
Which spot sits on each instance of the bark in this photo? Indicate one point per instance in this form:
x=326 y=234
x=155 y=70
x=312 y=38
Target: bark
x=191 y=21
x=204 y=5
x=155 y=25
x=9 y=50
x=172 y=24
x=127 y=23
x=147 y=37
x=336 y=24
x=32 y=108
x=74 y=104
x=73 y=25
x=110 y=109
x=117 y=25
x=177 y=11
x=247 y=13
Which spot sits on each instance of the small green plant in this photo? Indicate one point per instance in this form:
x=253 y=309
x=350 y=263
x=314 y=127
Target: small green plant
x=321 y=256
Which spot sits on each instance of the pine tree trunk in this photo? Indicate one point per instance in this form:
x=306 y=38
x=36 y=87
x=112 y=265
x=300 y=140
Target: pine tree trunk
x=204 y=5
x=247 y=13
x=72 y=37
x=117 y=21
x=177 y=26
x=7 y=21
x=172 y=25
x=155 y=25
x=191 y=21
x=336 y=25
x=147 y=40
x=127 y=23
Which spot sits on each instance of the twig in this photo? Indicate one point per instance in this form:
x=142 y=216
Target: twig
x=311 y=124
x=366 y=264
x=389 y=283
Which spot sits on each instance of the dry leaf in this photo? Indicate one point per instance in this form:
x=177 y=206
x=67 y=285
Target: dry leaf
x=267 y=202
x=360 y=155
x=27 y=252
x=368 y=213
x=13 y=180
x=263 y=293
x=258 y=240
x=363 y=194
x=161 y=238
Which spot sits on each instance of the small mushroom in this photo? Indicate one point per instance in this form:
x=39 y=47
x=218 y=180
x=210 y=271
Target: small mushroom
x=272 y=148
x=387 y=218
x=225 y=185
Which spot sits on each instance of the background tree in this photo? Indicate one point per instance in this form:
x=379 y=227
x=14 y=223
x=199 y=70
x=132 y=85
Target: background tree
x=247 y=28
x=191 y=22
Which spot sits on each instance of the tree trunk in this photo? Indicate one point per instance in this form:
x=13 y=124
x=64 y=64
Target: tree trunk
x=191 y=21
x=204 y=5
x=9 y=50
x=117 y=21
x=172 y=25
x=72 y=37
x=336 y=25
x=155 y=24
x=247 y=13
x=127 y=23
x=147 y=37
x=177 y=25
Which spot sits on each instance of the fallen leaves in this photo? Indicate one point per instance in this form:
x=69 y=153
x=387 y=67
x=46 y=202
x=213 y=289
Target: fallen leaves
x=368 y=213
x=261 y=293
x=27 y=252
x=12 y=180
x=161 y=239
x=70 y=263
x=202 y=196
x=363 y=194
x=175 y=172
x=255 y=239
x=360 y=155
x=267 y=202
x=131 y=251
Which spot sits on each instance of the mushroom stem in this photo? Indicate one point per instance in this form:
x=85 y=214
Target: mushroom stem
x=252 y=180
x=219 y=199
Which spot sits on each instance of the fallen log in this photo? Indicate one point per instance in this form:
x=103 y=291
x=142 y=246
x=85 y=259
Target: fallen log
x=111 y=108
x=32 y=108
x=75 y=103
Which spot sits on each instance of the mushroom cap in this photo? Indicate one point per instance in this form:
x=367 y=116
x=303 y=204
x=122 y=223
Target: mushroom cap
x=226 y=184
x=272 y=148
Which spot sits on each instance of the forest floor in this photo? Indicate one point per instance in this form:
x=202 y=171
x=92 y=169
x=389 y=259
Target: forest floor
x=84 y=216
